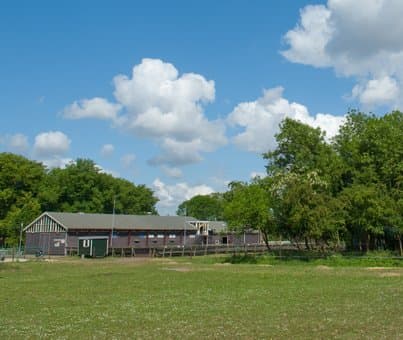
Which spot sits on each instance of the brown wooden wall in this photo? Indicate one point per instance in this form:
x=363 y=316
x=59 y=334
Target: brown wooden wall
x=52 y=243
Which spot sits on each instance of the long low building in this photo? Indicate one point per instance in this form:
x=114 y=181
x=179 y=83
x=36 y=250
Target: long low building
x=56 y=233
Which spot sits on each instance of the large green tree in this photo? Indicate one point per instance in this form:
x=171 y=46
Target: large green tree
x=304 y=174
x=306 y=211
x=371 y=150
x=301 y=149
x=20 y=180
x=203 y=207
x=83 y=187
x=249 y=207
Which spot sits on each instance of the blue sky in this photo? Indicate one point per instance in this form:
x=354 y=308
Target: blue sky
x=211 y=82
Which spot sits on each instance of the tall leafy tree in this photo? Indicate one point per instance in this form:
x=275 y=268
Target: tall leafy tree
x=249 y=207
x=365 y=207
x=304 y=171
x=305 y=210
x=203 y=207
x=82 y=187
x=20 y=180
x=301 y=149
x=372 y=153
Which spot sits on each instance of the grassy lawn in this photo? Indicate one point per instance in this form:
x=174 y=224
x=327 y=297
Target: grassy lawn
x=127 y=298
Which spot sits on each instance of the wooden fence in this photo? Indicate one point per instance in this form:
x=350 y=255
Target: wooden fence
x=194 y=250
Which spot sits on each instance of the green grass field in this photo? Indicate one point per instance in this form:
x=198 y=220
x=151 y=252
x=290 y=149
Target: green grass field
x=183 y=298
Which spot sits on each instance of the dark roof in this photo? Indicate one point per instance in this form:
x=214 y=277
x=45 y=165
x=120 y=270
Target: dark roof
x=121 y=222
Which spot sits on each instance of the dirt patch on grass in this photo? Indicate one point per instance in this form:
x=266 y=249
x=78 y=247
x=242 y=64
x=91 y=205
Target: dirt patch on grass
x=377 y=268
x=386 y=271
x=133 y=259
x=97 y=261
x=168 y=262
x=390 y=274
x=14 y=260
x=223 y=264
x=322 y=267
x=178 y=269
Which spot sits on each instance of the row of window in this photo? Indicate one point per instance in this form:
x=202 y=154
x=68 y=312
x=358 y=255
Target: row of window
x=169 y=236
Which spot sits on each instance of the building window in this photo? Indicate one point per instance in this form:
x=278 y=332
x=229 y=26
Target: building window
x=160 y=236
x=172 y=236
x=192 y=236
x=151 y=236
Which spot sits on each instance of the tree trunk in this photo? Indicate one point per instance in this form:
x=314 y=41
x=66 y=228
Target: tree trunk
x=306 y=243
x=266 y=240
x=400 y=245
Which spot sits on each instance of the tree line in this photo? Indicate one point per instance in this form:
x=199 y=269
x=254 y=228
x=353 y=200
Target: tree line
x=27 y=188
x=322 y=193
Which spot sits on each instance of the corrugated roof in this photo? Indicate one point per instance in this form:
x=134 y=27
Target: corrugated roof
x=122 y=222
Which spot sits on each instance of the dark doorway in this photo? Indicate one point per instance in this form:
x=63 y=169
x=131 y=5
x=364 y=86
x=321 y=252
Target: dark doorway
x=224 y=240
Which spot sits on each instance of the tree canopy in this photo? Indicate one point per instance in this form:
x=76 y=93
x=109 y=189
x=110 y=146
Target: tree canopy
x=322 y=192
x=27 y=188
x=203 y=207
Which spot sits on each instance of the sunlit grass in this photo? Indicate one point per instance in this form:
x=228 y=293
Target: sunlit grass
x=184 y=298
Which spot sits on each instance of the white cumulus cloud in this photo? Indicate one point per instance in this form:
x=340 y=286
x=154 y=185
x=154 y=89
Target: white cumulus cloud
x=52 y=143
x=377 y=91
x=170 y=196
x=107 y=150
x=172 y=171
x=357 y=38
x=17 y=143
x=128 y=159
x=257 y=174
x=158 y=103
x=57 y=162
x=92 y=108
x=310 y=37
x=51 y=147
x=260 y=120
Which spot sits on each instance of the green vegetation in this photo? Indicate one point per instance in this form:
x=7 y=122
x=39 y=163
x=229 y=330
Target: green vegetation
x=135 y=298
x=27 y=188
x=346 y=192
x=313 y=258
x=203 y=207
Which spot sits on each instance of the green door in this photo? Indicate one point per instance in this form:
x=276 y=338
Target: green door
x=84 y=247
x=99 y=247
